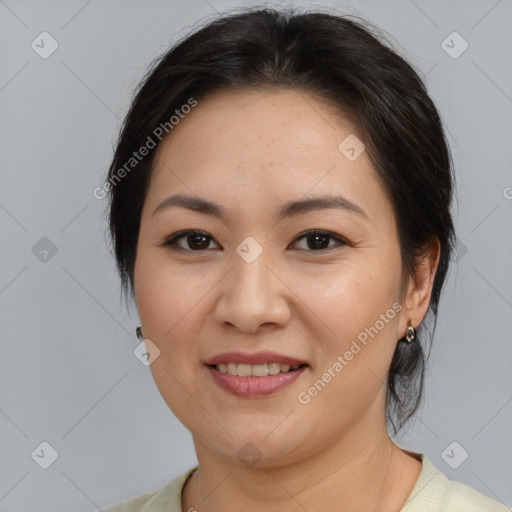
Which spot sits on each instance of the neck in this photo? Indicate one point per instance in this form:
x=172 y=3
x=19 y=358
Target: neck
x=362 y=470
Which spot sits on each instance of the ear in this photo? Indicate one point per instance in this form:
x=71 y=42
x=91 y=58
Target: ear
x=419 y=288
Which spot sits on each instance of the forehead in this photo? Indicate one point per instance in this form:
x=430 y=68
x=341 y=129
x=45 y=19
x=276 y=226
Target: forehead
x=262 y=144
x=259 y=126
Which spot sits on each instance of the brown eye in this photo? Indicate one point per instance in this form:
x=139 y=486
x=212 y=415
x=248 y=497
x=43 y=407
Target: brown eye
x=198 y=241
x=318 y=240
x=195 y=240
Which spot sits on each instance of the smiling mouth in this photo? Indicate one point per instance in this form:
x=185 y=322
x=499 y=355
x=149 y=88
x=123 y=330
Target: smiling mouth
x=255 y=370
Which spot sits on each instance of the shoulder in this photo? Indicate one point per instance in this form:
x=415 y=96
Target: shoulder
x=434 y=492
x=166 y=499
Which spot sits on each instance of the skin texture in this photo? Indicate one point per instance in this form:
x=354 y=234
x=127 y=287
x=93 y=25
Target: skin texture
x=252 y=151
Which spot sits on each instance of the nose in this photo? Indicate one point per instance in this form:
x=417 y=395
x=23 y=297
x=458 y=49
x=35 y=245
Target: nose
x=253 y=296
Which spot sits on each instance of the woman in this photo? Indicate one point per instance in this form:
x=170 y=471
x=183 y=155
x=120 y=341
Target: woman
x=280 y=212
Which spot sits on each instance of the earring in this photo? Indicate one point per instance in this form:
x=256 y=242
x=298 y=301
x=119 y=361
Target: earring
x=410 y=333
x=138 y=331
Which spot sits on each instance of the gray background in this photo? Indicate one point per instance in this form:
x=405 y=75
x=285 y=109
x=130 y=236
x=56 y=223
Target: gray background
x=68 y=374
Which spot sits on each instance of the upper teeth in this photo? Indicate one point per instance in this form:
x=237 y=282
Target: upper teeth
x=255 y=370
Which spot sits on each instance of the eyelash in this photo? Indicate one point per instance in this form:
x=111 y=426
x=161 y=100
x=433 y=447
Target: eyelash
x=171 y=241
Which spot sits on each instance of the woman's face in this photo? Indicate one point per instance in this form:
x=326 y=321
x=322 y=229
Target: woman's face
x=256 y=281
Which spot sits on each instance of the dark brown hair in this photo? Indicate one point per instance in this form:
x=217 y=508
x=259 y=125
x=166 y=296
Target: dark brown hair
x=341 y=62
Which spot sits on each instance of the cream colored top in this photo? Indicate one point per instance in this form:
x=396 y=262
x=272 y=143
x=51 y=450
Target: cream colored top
x=433 y=492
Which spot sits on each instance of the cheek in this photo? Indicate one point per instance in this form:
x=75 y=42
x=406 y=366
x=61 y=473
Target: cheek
x=168 y=302
x=349 y=297
x=166 y=294
x=356 y=355
x=358 y=308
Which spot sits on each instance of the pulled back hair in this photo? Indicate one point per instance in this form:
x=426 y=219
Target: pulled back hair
x=341 y=62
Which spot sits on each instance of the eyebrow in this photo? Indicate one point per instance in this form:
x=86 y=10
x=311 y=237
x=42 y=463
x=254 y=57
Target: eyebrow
x=289 y=209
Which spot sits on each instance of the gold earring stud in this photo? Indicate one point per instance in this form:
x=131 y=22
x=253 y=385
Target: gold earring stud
x=410 y=334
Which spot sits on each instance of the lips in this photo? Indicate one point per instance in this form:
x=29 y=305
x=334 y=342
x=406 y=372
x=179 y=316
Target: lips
x=255 y=387
x=254 y=375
